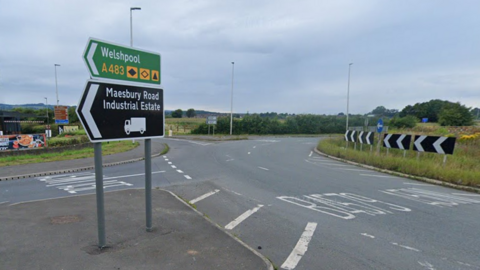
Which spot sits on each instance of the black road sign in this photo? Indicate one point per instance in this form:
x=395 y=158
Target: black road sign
x=113 y=112
x=400 y=141
x=366 y=137
x=435 y=144
x=351 y=136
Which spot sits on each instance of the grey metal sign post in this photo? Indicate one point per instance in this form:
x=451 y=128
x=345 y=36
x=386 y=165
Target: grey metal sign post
x=99 y=193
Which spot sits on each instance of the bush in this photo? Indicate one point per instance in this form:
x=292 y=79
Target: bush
x=408 y=121
x=59 y=141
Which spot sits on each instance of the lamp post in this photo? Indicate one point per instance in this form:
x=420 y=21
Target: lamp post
x=348 y=93
x=131 y=28
x=231 y=101
x=56 y=84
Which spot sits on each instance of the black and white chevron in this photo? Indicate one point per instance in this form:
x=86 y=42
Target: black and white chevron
x=434 y=144
x=399 y=141
x=351 y=136
x=366 y=137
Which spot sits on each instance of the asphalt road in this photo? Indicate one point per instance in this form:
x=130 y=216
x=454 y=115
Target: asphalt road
x=300 y=210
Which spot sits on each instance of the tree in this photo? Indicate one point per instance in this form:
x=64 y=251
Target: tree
x=191 y=113
x=408 y=121
x=177 y=113
x=72 y=115
x=455 y=114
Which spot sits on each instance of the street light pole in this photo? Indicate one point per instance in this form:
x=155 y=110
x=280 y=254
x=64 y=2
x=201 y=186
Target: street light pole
x=56 y=84
x=231 y=101
x=348 y=93
x=131 y=28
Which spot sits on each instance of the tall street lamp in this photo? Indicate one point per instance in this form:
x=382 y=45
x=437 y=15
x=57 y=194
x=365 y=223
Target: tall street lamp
x=231 y=101
x=131 y=28
x=348 y=92
x=56 y=84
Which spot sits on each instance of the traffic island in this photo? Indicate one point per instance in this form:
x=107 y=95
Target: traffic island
x=62 y=234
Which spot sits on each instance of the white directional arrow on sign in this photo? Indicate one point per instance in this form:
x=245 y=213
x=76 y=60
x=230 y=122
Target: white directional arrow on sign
x=92 y=92
x=352 y=136
x=346 y=136
x=418 y=143
x=437 y=145
x=399 y=141
x=387 y=144
x=360 y=137
x=90 y=54
x=368 y=138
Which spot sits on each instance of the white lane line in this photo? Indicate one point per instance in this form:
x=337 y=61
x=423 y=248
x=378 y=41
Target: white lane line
x=254 y=147
x=368 y=235
x=300 y=248
x=263 y=168
x=229 y=160
x=465 y=194
x=188 y=177
x=204 y=196
x=166 y=159
x=179 y=171
x=376 y=175
x=92 y=178
x=405 y=247
x=242 y=217
x=249 y=153
x=164 y=156
x=427 y=265
x=415 y=184
x=170 y=163
x=173 y=166
x=311 y=153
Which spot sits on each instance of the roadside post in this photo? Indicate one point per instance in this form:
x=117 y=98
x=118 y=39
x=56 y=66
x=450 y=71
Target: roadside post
x=379 y=131
x=211 y=120
x=122 y=101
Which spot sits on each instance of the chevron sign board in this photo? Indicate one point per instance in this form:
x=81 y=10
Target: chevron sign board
x=366 y=137
x=351 y=136
x=434 y=144
x=399 y=141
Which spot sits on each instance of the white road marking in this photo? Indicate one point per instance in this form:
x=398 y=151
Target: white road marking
x=199 y=143
x=229 y=160
x=311 y=153
x=164 y=156
x=368 y=235
x=466 y=264
x=3 y=202
x=233 y=192
x=300 y=248
x=242 y=217
x=263 y=168
x=376 y=175
x=254 y=147
x=173 y=166
x=415 y=184
x=166 y=159
x=249 y=153
x=170 y=162
x=465 y=194
x=188 y=177
x=204 y=196
x=405 y=247
x=179 y=171
x=427 y=265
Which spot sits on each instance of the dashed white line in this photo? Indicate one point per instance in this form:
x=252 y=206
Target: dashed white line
x=173 y=166
x=427 y=265
x=249 y=153
x=368 y=235
x=311 y=153
x=179 y=171
x=465 y=194
x=254 y=147
x=166 y=159
x=300 y=248
x=188 y=177
x=376 y=175
x=204 y=196
x=265 y=169
x=405 y=247
x=229 y=160
x=242 y=217
x=170 y=162
x=414 y=184
x=357 y=170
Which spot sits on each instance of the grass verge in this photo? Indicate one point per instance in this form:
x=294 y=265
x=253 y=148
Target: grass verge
x=165 y=149
x=107 y=149
x=459 y=169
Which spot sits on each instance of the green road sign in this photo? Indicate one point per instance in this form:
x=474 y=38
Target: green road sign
x=116 y=62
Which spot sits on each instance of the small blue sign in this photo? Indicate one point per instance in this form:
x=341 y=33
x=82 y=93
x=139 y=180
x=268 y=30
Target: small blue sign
x=380 y=125
x=424 y=120
x=61 y=121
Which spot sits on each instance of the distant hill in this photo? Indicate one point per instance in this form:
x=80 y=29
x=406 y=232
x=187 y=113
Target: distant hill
x=35 y=106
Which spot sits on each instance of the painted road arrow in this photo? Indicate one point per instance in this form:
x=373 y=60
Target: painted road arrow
x=112 y=112
x=116 y=62
x=434 y=144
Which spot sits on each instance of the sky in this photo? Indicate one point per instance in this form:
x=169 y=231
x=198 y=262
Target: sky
x=290 y=56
